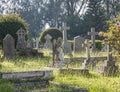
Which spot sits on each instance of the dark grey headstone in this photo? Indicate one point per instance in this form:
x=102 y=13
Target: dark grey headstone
x=9 y=46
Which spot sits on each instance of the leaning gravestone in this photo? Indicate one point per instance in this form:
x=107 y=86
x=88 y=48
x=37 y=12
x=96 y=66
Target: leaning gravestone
x=48 y=43
x=78 y=41
x=9 y=46
x=21 y=43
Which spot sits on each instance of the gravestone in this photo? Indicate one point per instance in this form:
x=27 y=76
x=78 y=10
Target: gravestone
x=9 y=46
x=37 y=43
x=78 y=41
x=66 y=44
x=87 y=60
x=92 y=34
x=48 y=43
x=58 y=54
x=21 y=43
x=109 y=67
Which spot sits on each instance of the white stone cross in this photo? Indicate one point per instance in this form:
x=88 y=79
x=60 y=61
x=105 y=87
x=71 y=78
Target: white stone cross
x=93 y=34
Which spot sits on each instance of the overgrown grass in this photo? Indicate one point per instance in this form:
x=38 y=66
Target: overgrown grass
x=93 y=82
x=23 y=64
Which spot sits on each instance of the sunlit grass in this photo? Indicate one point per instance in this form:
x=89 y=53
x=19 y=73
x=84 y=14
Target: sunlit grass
x=92 y=82
x=23 y=64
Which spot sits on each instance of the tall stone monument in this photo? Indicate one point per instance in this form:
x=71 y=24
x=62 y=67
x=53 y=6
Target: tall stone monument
x=66 y=44
x=8 y=46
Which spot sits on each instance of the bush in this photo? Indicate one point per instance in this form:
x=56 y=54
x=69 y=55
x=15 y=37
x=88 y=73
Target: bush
x=10 y=24
x=113 y=36
x=54 y=32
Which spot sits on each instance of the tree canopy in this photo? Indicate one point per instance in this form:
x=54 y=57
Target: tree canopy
x=10 y=24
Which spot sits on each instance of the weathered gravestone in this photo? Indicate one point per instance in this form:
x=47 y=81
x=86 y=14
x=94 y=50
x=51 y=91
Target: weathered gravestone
x=37 y=43
x=9 y=46
x=48 y=43
x=109 y=67
x=87 y=60
x=92 y=34
x=58 y=54
x=66 y=44
x=78 y=41
x=21 y=43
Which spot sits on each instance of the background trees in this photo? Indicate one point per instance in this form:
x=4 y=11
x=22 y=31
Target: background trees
x=80 y=15
x=10 y=24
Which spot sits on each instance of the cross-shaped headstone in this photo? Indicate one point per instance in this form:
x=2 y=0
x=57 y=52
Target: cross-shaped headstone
x=66 y=44
x=65 y=28
x=21 y=34
x=93 y=34
x=21 y=43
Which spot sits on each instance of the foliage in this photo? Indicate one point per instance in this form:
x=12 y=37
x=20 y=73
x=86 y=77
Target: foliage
x=10 y=24
x=54 y=32
x=113 y=36
x=94 y=16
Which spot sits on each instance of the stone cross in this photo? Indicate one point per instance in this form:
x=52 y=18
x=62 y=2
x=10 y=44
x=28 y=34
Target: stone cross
x=21 y=34
x=66 y=44
x=9 y=46
x=92 y=34
x=21 y=43
x=65 y=28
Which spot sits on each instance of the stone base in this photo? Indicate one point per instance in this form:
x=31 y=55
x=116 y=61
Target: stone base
x=74 y=71
x=109 y=70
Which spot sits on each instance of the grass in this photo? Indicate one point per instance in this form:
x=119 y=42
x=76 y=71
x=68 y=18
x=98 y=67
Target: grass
x=23 y=64
x=93 y=81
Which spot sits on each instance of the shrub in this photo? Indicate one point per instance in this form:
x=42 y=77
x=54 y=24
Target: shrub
x=113 y=36
x=10 y=24
x=54 y=32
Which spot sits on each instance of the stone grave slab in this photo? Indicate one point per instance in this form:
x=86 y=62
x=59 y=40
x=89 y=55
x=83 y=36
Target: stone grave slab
x=27 y=75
